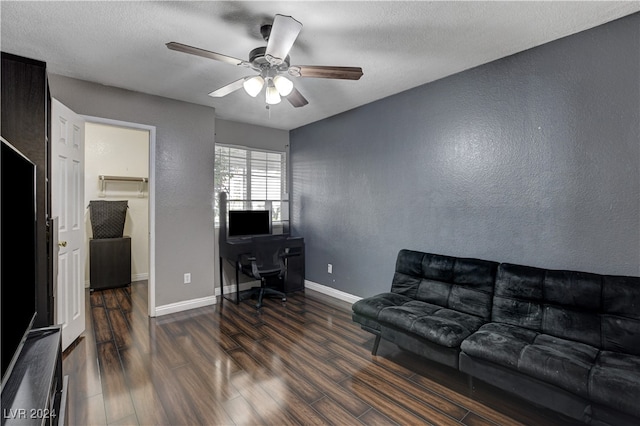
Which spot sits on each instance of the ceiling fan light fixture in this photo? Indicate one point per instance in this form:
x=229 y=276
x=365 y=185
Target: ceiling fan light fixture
x=272 y=64
x=283 y=84
x=272 y=95
x=253 y=85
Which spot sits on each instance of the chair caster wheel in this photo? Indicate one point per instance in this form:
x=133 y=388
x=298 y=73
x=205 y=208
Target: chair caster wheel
x=284 y=299
x=258 y=306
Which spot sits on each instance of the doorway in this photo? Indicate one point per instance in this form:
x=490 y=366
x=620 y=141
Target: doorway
x=116 y=152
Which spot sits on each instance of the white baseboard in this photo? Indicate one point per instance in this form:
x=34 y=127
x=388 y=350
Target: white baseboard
x=134 y=278
x=139 y=277
x=231 y=289
x=211 y=300
x=172 y=308
x=329 y=291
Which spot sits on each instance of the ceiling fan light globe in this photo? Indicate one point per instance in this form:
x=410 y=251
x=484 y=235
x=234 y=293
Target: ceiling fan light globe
x=253 y=85
x=283 y=84
x=272 y=95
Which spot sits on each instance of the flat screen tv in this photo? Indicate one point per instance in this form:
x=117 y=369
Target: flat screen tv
x=18 y=253
x=247 y=223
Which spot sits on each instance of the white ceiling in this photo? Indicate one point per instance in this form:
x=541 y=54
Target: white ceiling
x=399 y=45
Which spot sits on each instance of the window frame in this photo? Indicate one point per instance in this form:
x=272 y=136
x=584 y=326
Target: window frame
x=248 y=169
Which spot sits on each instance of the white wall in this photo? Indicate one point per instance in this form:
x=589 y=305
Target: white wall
x=120 y=151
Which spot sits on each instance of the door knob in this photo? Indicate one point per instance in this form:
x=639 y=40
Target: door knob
x=62 y=244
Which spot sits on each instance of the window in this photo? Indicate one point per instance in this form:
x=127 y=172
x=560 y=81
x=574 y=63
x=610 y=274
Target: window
x=252 y=178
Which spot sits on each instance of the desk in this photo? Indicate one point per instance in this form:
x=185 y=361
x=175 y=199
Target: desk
x=232 y=249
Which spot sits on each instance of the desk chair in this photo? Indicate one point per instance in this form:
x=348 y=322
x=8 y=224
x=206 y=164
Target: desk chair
x=266 y=261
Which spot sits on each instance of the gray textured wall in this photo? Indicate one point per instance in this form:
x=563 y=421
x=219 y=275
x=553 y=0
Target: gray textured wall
x=531 y=159
x=184 y=178
x=235 y=133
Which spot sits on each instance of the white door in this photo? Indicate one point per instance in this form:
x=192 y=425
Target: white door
x=67 y=203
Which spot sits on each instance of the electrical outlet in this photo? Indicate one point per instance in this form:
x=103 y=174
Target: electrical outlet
x=187 y=278
x=329 y=268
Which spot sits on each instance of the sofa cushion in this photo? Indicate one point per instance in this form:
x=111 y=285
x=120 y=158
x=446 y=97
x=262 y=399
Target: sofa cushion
x=572 y=306
x=498 y=343
x=550 y=359
x=518 y=296
x=621 y=318
x=467 y=287
x=561 y=362
x=370 y=307
x=565 y=304
x=408 y=273
x=615 y=382
x=431 y=322
x=572 y=324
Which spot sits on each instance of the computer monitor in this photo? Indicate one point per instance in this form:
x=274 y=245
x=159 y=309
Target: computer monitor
x=247 y=223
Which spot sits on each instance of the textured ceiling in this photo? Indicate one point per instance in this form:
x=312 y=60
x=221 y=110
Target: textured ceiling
x=399 y=45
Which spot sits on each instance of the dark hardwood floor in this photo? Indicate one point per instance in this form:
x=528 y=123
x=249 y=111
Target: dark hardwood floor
x=296 y=363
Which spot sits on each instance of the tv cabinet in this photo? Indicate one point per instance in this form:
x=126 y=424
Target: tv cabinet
x=36 y=391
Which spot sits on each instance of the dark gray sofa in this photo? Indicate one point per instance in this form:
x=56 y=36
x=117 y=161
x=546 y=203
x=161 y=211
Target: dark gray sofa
x=566 y=340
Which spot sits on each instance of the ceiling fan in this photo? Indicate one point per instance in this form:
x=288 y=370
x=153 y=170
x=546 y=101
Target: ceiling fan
x=272 y=63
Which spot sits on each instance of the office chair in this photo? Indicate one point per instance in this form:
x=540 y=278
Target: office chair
x=266 y=261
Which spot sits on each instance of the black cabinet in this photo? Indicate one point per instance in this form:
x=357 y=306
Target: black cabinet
x=294 y=274
x=36 y=391
x=109 y=262
x=26 y=125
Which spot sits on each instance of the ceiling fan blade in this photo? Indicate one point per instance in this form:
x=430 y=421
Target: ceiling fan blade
x=229 y=88
x=316 y=71
x=205 y=53
x=284 y=32
x=296 y=99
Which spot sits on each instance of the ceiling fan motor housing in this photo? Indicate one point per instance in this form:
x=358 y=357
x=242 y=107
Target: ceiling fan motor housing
x=265 y=31
x=259 y=62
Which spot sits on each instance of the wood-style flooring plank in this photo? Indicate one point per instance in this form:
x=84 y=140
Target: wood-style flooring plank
x=373 y=417
x=273 y=384
x=147 y=403
x=241 y=412
x=208 y=410
x=334 y=412
x=426 y=401
x=119 y=328
x=111 y=299
x=314 y=374
x=117 y=398
x=102 y=329
x=174 y=398
x=261 y=401
x=302 y=362
x=87 y=411
x=303 y=388
x=376 y=398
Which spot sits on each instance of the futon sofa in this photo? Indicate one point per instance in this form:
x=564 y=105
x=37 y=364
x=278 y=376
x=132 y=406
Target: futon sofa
x=565 y=340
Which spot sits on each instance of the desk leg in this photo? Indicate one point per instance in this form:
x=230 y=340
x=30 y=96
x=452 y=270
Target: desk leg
x=237 y=285
x=221 y=282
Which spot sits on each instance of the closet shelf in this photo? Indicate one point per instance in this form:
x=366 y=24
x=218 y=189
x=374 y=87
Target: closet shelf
x=124 y=178
x=105 y=178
